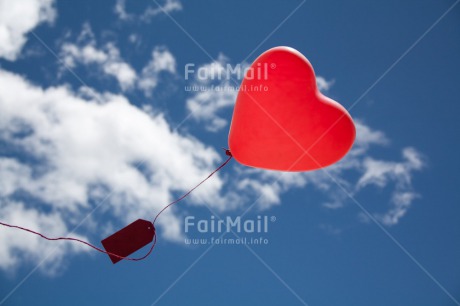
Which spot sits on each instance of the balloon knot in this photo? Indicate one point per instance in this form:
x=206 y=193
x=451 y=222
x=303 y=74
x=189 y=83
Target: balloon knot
x=228 y=153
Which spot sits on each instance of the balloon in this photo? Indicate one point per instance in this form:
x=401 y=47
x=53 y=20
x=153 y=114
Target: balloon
x=282 y=122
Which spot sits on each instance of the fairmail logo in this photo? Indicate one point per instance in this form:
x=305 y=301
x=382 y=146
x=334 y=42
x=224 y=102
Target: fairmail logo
x=228 y=224
x=226 y=72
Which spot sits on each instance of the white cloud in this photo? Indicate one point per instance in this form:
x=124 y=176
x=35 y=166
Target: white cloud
x=120 y=10
x=205 y=105
x=17 y=18
x=379 y=173
x=150 y=12
x=323 y=84
x=18 y=246
x=401 y=201
x=107 y=58
x=109 y=61
x=168 y=6
x=213 y=92
x=266 y=193
x=367 y=137
x=134 y=38
x=162 y=61
x=86 y=147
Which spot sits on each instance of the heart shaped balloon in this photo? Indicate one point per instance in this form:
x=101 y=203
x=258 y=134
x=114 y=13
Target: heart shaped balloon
x=282 y=122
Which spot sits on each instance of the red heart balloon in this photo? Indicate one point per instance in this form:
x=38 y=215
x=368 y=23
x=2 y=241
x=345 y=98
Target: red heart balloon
x=282 y=122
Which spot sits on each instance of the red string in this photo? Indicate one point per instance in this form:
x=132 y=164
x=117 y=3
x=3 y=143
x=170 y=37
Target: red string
x=82 y=241
x=227 y=152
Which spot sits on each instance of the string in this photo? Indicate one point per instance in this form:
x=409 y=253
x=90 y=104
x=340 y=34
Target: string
x=227 y=152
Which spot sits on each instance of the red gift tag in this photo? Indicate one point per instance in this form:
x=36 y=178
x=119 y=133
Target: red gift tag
x=129 y=239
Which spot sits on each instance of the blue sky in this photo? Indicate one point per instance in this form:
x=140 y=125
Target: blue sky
x=97 y=130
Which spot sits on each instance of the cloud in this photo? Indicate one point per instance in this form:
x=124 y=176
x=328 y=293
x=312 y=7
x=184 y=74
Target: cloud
x=162 y=61
x=367 y=137
x=267 y=194
x=169 y=6
x=150 y=12
x=76 y=149
x=17 y=18
x=109 y=61
x=213 y=92
x=120 y=10
x=323 y=84
x=401 y=202
x=20 y=246
x=107 y=58
x=205 y=105
x=379 y=173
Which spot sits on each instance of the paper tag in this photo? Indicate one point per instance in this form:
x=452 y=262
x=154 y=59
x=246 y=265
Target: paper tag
x=129 y=239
